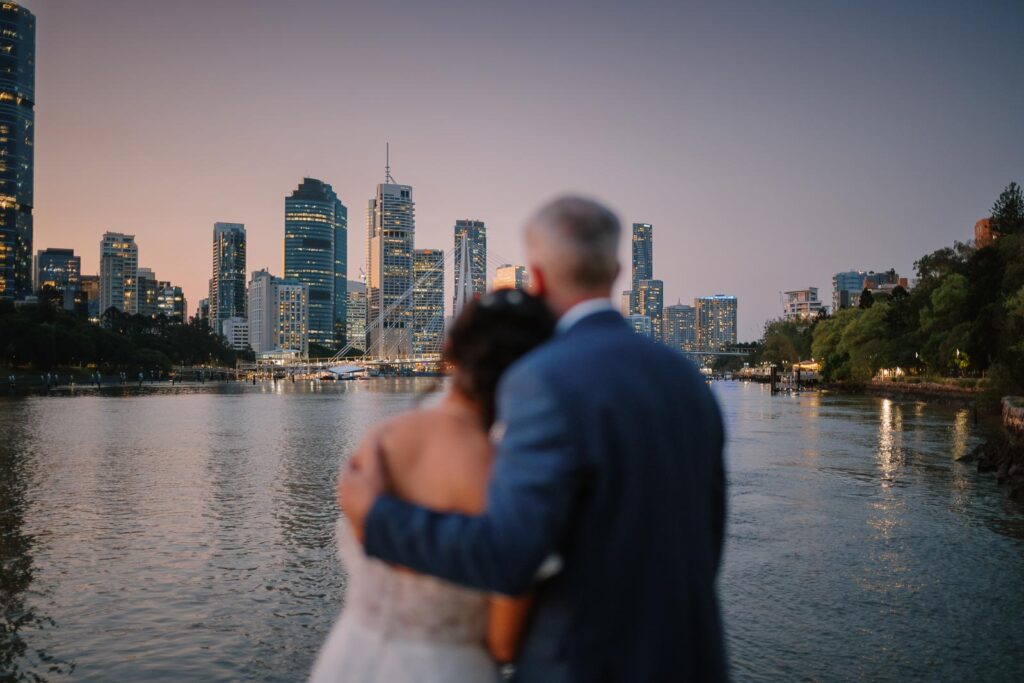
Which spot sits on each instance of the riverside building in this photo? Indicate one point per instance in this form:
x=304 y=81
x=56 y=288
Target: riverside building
x=428 y=302
x=716 y=322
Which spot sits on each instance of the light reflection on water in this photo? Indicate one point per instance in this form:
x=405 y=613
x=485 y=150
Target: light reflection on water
x=189 y=535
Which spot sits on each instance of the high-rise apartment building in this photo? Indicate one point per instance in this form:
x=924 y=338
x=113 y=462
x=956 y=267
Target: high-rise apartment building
x=227 y=286
x=643 y=261
x=681 y=327
x=171 y=302
x=278 y=314
x=58 y=273
x=356 y=315
x=716 y=322
x=149 y=293
x=316 y=254
x=119 y=266
x=801 y=304
x=391 y=234
x=510 y=276
x=474 y=234
x=651 y=302
x=17 y=139
x=428 y=302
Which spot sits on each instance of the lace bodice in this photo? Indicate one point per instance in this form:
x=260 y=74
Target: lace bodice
x=404 y=605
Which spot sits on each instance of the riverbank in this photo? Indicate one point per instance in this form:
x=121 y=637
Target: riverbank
x=943 y=392
x=1004 y=452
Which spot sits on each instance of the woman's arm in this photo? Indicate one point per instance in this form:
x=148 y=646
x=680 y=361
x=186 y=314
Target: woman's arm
x=505 y=626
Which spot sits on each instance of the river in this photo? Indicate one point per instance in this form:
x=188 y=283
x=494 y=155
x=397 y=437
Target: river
x=187 y=535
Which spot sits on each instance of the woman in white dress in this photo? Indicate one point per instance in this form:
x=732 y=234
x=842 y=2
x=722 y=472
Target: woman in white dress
x=397 y=625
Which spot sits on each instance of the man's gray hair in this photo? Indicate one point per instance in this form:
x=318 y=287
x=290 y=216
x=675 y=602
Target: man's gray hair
x=587 y=237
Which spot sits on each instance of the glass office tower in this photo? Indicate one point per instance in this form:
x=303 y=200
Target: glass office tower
x=17 y=134
x=316 y=254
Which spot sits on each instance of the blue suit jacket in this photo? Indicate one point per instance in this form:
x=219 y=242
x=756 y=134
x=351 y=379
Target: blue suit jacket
x=612 y=458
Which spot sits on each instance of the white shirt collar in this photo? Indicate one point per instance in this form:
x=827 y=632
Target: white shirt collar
x=582 y=310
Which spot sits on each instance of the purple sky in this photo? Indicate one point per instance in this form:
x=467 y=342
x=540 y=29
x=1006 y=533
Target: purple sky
x=770 y=144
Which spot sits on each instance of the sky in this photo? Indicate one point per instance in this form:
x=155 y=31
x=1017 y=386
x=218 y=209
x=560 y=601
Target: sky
x=770 y=144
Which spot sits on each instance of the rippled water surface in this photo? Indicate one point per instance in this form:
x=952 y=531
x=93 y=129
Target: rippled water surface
x=188 y=535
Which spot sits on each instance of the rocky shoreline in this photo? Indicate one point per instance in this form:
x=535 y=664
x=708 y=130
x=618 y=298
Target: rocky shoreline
x=1004 y=452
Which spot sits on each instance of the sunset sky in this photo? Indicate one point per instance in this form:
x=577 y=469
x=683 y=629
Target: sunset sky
x=770 y=144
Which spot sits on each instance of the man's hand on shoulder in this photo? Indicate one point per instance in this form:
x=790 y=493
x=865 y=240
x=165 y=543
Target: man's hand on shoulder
x=361 y=481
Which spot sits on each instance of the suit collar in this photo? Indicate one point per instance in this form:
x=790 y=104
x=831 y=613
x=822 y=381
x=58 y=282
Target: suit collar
x=582 y=310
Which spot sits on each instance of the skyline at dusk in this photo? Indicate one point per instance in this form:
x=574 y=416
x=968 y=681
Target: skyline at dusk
x=770 y=147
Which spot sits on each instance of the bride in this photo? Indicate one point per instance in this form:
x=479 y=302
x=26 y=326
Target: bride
x=398 y=625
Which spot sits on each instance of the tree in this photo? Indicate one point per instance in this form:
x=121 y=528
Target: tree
x=867 y=299
x=1008 y=211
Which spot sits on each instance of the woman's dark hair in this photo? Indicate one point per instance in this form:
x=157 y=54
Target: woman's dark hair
x=491 y=334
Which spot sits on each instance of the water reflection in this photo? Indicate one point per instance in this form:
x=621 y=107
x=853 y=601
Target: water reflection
x=189 y=536
x=20 y=659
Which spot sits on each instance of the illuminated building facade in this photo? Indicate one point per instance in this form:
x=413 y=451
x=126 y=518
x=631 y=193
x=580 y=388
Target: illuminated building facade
x=474 y=234
x=509 y=276
x=227 y=287
x=316 y=255
x=681 y=327
x=716 y=322
x=643 y=262
x=149 y=293
x=650 y=302
x=278 y=314
x=391 y=234
x=801 y=304
x=17 y=137
x=428 y=302
x=171 y=302
x=356 y=315
x=58 y=274
x=119 y=266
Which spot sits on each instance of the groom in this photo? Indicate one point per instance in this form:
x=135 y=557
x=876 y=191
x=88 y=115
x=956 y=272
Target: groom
x=609 y=471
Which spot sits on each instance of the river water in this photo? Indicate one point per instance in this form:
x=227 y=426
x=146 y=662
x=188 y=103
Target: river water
x=187 y=535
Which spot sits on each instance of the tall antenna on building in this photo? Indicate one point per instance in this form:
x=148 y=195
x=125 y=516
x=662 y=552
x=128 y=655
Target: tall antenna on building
x=387 y=163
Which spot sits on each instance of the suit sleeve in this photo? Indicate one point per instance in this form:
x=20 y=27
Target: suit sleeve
x=718 y=486
x=529 y=499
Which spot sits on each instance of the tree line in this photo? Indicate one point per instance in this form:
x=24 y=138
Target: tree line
x=43 y=338
x=964 y=317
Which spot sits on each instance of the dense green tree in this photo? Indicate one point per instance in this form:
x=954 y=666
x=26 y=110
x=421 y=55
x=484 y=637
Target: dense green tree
x=1008 y=211
x=867 y=299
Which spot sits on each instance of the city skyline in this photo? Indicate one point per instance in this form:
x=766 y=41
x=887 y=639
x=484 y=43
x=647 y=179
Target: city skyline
x=826 y=126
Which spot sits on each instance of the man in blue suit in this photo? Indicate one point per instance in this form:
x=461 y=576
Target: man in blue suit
x=610 y=468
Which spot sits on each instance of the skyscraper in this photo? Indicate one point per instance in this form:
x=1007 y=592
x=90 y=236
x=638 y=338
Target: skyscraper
x=716 y=322
x=57 y=274
x=428 y=302
x=641 y=324
x=650 y=302
x=391 y=234
x=681 y=327
x=278 y=314
x=119 y=265
x=511 y=277
x=316 y=255
x=474 y=233
x=227 y=287
x=17 y=139
x=643 y=261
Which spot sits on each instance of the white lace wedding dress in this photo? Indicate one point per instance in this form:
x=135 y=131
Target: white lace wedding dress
x=399 y=626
